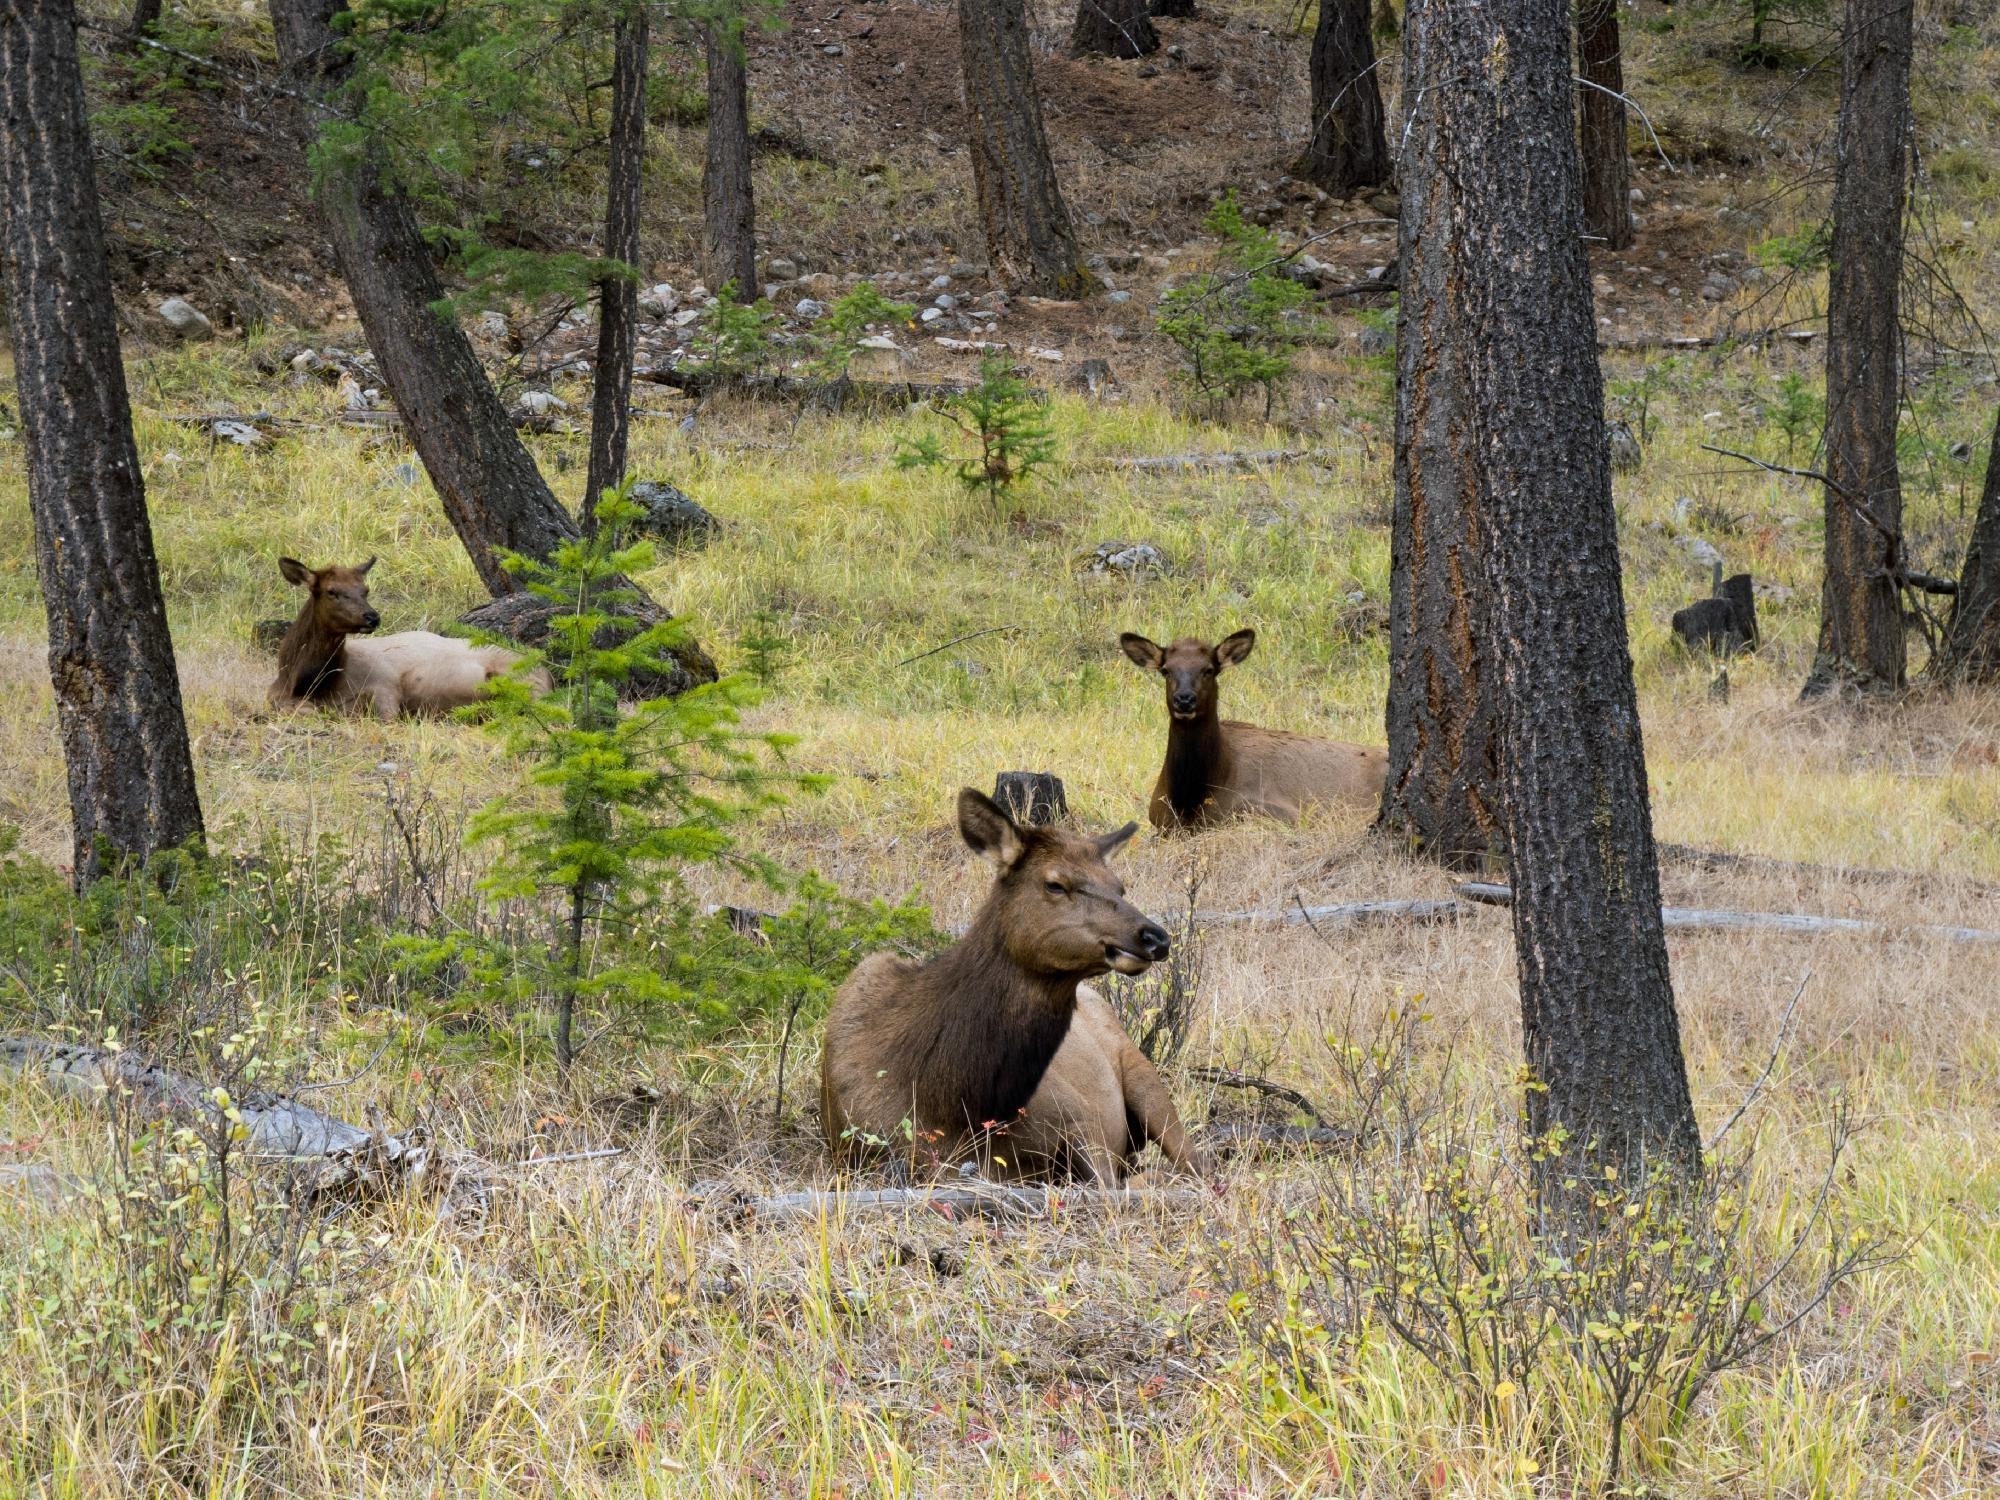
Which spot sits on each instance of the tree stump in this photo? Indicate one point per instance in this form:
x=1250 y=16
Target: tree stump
x=1724 y=623
x=1034 y=798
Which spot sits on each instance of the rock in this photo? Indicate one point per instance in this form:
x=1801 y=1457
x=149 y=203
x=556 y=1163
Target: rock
x=407 y=473
x=930 y=315
x=659 y=300
x=1118 y=299
x=1701 y=551
x=672 y=515
x=1623 y=445
x=687 y=317
x=878 y=358
x=1053 y=356
x=1386 y=203
x=539 y=403
x=809 y=310
x=242 y=434
x=781 y=268
x=1635 y=196
x=833 y=49
x=1376 y=273
x=965 y=270
x=945 y=302
x=1376 y=339
x=1960 y=452
x=1122 y=261
x=1032 y=797
x=493 y=325
x=940 y=283
x=1094 y=378
x=1149 y=71
x=1133 y=559
x=1718 y=288
x=185 y=320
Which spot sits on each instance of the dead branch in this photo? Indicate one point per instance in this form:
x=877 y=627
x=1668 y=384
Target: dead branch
x=1717 y=859
x=1777 y=1047
x=1344 y=913
x=974 y=1198
x=1228 y=1137
x=1230 y=1078
x=1641 y=342
x=1174 y=463
x=1698 y=918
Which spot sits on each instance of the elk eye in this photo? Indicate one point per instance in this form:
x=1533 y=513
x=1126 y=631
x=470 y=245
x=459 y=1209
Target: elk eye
x=1056 y=888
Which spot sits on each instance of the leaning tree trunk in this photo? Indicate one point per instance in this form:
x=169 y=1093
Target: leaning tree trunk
x=494 y=496
x=1113 y=28
x=145 y=16
x=1348 y=150
x=1174 y=10
x=1494 y=132
x=1028 y=234
x=1971 y=649
x=618 y=296
x=1442 y=796
x=1607 y=164
x=1861 y=616
x=729 y=211
x=111 y=659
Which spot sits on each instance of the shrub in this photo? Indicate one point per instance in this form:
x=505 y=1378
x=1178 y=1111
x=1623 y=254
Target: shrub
x=1004 y=429
x=733 y=338
x=830 y=343
x=1235 y=327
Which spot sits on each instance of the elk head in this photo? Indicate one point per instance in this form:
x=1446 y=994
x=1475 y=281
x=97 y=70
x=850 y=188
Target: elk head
x=337 y=597
x=1059 y=908
x=1190 y=668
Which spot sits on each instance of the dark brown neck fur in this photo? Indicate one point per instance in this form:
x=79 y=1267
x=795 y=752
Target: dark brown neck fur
x=1195 y=755
x=988 y=1031
x=311 y=658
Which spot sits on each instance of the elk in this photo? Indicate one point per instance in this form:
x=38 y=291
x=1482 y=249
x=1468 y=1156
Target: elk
x=1218 y=768
x=322 y=661
x=996 y=1049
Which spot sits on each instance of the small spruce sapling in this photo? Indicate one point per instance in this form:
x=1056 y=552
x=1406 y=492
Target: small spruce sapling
x=1235 y=326
x=733 y=338
x=831 y=342
x=1003 y=422
x=619 y=801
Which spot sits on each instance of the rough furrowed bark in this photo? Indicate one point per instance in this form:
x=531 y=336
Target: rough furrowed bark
x=1600 y=1030
x=729 y=211
x=1861 y=641
x=1029 y=238
x=111 y=660
x=1971 y=650
x=1441 y=798
x=1607 y=163
x=1113 y=28
x=618 y=296
x=1348 y=150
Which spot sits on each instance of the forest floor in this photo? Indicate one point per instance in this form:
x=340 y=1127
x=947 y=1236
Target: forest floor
x=597 y=1330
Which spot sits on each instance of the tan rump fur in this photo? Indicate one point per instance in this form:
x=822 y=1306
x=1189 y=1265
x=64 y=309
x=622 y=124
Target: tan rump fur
x=329 y=658
x=995 y=1049
x=1217 y=769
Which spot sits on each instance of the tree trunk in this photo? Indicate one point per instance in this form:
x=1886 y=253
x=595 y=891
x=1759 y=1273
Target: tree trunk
x=1174 y=10
x=729 y=230
x=618 y=296
x=1113 y=28
x=1348 y=150
x=111 y=659
x=1607 y=165
x=492 y=492
x=1971 y=650
x=1504 y=282
x=1028 y=235
x=145 y=16
x=1861 y=615
x=1442 y=796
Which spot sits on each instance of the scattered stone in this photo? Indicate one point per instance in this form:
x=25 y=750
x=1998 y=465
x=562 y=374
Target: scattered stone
x=940 y=283
x=1701 y=551
x=1623 y=444
x=659 y=300
x=687 y=317
x=1149 y=71
x=1718 y=288
x=242 y=434
x=878 y=358
x=1636 y=196
x=539 y=403
x=781 y=268
x=407 y=473
x=1133 y=559
x=1118 y=299
x=809 y=310
x=1094 y=378
x=930 y=315
x=1053 y=356
x=945 y=302
x=965 y=270
x=305 y=365
x=967 y=346
x=1376 y=338
x=672 y=515
x=185 y=320
x=1386 y=203
x=1960 y=452
x=833 y=49
x=1376 y=273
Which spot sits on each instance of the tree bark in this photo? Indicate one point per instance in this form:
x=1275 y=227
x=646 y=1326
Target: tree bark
x=1442 y=795
x=1174 y=10
x=618 y=296
x=729 y=224
x=145 y=16
x=1113 y=28
x=1861 y=617
x=1348 y=150
x=111 y=659
x=1971 y=650
x=1607 y=164
x=1494 y=137
x=1029 y=239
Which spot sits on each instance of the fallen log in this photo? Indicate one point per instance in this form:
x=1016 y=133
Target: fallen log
x=1173 y=463
x=823 y=395
x=1343 y=914
x=1701 y=919
x=1229 y=1137
x=971 y=1198
x=276 y=1128
x=1640 y=342
x=1720 y=859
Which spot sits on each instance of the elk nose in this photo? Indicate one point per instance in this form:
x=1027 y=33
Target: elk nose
x=371 y=619
x=1153 y=942
x=1183 y=703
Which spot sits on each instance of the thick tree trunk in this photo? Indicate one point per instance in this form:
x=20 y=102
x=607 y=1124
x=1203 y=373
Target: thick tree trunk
x=618 y=296
x=1113 y=28
x=1442 y=796
x=1861 y=615
x=1174 y=10
x=145 y=16
x=1348 y=150
x=1494 y=132
x=118 y=695
x=729 y=224
x=1971 y=650
x=1607 y=165
x=1028 y=234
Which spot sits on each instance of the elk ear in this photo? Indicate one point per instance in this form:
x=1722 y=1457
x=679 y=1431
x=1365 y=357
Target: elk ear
x=987 y=830
x=1109 y=844
x=295 y=571
x=1231 y=649
x=1142 y=651
x=363 y=569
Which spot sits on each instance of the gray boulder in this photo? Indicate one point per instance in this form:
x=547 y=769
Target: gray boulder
x=186 y=320
x=672 y=515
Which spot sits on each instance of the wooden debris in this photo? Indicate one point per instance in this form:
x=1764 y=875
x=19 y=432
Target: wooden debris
x=1701 y=919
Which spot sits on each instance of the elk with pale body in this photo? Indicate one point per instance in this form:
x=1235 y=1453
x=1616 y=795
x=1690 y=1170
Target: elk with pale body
x=1217 y=769
x=325 y=658
x=996 y=1050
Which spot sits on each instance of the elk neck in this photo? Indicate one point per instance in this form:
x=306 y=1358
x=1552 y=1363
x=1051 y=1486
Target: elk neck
x=311 y=658
x=1197 y=753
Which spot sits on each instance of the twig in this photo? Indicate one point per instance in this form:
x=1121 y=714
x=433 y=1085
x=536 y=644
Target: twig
x=960 y=641
x=1784 y=1028
x=341 y=1083
x=1632 y=104
x=555 y=1161
x=1230 y=1078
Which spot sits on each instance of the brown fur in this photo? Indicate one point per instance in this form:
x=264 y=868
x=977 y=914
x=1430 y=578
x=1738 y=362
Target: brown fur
x=324 y=660
x=996 y=1048
x=1217 y=769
